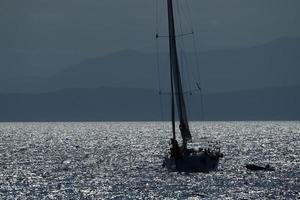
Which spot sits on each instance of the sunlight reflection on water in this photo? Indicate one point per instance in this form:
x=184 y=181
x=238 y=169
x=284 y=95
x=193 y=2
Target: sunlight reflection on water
x=124 y=161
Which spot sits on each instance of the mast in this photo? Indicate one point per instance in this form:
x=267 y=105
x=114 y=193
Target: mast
x=176 y=85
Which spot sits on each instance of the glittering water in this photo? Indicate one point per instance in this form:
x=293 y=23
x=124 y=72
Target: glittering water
x=124 y=161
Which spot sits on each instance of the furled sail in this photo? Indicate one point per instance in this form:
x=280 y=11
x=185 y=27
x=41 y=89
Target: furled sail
x=176 y=78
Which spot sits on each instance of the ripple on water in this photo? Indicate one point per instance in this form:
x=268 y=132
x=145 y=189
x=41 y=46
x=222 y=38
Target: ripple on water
x=124 y=161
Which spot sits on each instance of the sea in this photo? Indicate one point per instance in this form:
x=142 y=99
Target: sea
x=123 y=160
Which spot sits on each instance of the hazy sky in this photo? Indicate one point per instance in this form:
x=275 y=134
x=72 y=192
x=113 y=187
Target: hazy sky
x=97 y=27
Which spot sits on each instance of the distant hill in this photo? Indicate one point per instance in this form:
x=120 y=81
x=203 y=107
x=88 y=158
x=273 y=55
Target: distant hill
x=17 y=65
x=113 y=104
x=273 y=64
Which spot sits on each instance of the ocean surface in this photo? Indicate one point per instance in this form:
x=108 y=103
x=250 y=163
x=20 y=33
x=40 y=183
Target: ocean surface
x=124 y=161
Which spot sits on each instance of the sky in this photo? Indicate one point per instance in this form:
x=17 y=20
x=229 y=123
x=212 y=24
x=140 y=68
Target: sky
x=89 y=28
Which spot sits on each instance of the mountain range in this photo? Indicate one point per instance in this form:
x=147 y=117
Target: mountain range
x=255 y=83
x=273 y=64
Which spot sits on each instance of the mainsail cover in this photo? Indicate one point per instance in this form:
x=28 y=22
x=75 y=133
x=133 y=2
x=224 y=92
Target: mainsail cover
x=184 y=125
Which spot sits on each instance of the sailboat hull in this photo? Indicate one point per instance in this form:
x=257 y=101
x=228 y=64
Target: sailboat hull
x=201 y=162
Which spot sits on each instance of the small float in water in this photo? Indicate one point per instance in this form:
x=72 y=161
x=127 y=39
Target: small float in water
x=253 y=167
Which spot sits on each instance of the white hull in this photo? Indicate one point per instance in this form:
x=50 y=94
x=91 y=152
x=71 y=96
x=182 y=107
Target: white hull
x=201 y=162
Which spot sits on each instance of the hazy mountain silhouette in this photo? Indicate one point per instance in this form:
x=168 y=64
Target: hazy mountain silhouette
x=30 y=65
x=112 y=104
x=269 y=65
x=123 y=69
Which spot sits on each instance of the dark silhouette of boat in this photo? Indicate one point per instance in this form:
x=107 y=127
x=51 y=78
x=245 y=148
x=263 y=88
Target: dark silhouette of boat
x=181 y=158
x=253 y=167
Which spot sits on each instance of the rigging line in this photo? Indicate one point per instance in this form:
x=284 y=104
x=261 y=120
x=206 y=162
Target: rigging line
x=190 y=74
x=179 y=35
x=194 y=41
x=158 y=65
x=199 y=78
x=159 y=81
x=159 y=11
x=199 y=82
x=184 y=60
x=173 y=104
x=183 y=93
x=185 y=34
x=201 y=103
x=197 y=74
x=202 y=113
x=179 y=42
x=156 y=15
x=188 y=16
x=159 y=15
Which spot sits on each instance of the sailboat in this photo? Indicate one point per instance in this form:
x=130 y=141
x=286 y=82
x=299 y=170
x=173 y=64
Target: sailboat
x=182 y=158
